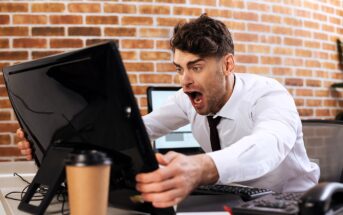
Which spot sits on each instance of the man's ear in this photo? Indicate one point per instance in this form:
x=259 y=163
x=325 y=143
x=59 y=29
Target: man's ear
x=229 y=64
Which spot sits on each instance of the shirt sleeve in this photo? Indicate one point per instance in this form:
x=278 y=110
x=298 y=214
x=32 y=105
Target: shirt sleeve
x=275 y=125
x=169 y=117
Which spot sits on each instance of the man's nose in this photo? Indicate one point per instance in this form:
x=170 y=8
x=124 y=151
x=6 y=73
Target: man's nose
x=186 y=79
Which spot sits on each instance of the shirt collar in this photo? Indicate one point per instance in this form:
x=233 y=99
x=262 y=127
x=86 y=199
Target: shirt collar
x=230 y=108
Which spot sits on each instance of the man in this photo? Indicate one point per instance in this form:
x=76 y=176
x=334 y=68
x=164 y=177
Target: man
x=259 y=138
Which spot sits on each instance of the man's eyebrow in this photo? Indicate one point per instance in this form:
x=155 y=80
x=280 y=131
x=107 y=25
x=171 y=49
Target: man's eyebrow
x=190 y=62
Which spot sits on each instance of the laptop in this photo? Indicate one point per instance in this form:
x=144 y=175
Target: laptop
x=180 y=140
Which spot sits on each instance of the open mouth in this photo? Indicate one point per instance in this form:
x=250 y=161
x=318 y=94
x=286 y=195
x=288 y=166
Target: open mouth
x=195 y=97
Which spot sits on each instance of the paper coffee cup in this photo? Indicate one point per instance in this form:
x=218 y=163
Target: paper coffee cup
x=88 y=174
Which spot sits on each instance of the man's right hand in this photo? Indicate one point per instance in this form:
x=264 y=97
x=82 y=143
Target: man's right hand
x=24 y=145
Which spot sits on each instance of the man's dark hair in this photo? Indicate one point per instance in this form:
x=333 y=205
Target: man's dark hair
x=203 y=36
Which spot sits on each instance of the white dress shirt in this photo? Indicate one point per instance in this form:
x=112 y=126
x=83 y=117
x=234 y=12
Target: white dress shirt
x=260 y=135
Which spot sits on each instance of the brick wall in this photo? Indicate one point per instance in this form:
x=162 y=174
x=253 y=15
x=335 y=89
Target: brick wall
x=293 y=41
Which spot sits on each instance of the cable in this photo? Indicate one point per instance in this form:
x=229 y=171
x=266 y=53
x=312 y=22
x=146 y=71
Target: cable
x=61 y=194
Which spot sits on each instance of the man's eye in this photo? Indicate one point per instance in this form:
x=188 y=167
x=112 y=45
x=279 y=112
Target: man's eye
x=196 y=68
x=179 y=70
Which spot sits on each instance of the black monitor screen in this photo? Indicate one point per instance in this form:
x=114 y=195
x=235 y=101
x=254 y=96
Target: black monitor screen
x=82 y=99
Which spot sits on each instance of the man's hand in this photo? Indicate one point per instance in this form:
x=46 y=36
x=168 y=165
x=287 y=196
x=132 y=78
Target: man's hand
x=24 y=145
x=176 y=178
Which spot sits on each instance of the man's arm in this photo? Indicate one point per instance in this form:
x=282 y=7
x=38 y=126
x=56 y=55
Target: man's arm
x=176 y=178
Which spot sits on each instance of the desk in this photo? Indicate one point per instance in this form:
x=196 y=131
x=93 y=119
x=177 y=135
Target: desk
x=9 y=182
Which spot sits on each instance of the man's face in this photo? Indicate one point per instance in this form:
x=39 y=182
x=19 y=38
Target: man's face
x=206 y=81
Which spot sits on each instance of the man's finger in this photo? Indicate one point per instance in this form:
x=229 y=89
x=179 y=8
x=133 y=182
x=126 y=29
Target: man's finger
x=166 y=196
x=20 y=133
x=156 y=187
x=167 y=204
x=155 y=176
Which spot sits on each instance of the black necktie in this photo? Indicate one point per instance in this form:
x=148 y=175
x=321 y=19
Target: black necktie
x=214 y=136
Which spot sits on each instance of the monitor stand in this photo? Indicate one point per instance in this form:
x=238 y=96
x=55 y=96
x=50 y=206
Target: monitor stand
x=50 y=174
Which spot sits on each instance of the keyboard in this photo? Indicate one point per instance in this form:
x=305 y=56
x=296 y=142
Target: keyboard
x=276 y=204
x=246 y=193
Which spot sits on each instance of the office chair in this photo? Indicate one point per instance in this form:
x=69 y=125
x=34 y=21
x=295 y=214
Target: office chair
x=324 y=145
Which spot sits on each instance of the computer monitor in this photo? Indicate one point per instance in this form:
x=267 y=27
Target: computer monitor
x=75 y=101
x=180 y=140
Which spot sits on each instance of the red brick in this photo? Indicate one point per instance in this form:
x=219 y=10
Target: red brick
x=29 y=43
x=303 y=13
x=255 y=48
x=153 y=79
x=299 y=102
x=304 y=92
x=5 y=115
x=139 y=90
x=8 y=127
x=5 y=139
x=102 y=20
x=282 y=30
x=151 y=9
x=245 y=37
x=14 y=31
x=4 y=19
x=302 y=33
x=232 y=4
x=321 y=74
x=258 y=6
x=305 y=112
x=271 y=18
x=84 y=31
x=294 y=82
x=14 y=7
x=41 y=54
x=172 y=1
x=311 y=5
x=5 y=103
x=258 y=27
x=322 y=112
x=310 y=24
x=312 y=63
x=328 y=28
x=270 y=60
x=139 y=67
x=47 y=7
x=137 y=44
x=84 y=8
x=294 y=62
x=242 y=47
x=282 y=9
x=139 y=20
x=232 y=25
x=120 y=31
x=133 y=78
x=246 y=58
x=30 y=19
x=218 y=13
x=9 y=151
x=282 y=50
x=66 y=43
x=187 y=11
x=293 y=42
x=313 y=102
x=270 y=39
x=303 y=72
x=48 y=31
x=154 y=32
x=165 y=67
x=169 y=21
x=162 y=44
x=66 y=19
x=282 y=71
x=129 y=55
x=4 y=43
x=203 y=2
x=151 y=55
x=250 y=16
x=13 y=55
x=119 y=8
x=262 y=70
x=311 y=44
x=143 y=102
x=330 y=103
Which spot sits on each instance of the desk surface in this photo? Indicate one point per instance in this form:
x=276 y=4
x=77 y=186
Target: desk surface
x=27 y=169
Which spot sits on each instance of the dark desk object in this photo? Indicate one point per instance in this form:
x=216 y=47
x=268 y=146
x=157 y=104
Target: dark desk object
x=324 y=145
